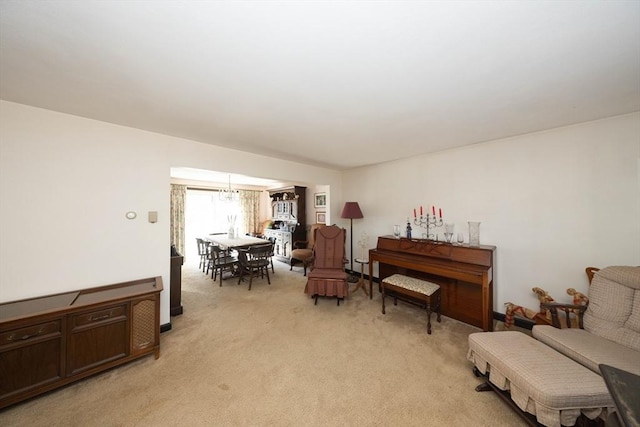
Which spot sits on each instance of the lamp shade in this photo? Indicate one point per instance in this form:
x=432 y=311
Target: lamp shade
x=351 y=210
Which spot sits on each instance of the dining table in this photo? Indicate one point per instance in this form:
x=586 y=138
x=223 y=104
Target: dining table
x=239 y=242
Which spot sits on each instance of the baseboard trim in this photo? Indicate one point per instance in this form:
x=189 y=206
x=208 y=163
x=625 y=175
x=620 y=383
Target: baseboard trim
x=166 y=327
x=517 y=321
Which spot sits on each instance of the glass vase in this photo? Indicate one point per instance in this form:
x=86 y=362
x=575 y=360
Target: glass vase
x=474 y=233
x=448 y=232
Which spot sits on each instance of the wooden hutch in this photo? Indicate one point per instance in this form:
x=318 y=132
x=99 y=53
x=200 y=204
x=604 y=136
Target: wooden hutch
x=288 y=212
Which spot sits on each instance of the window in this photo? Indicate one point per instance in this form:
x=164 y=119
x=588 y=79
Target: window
x=204 y=214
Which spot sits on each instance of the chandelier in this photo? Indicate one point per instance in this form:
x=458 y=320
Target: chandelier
x=229 y=194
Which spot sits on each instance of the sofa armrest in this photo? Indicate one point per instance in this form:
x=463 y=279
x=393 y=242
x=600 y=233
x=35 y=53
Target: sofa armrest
x=553 y=307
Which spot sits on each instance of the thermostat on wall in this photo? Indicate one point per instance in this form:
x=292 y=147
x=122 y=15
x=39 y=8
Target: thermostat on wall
x=131 y=215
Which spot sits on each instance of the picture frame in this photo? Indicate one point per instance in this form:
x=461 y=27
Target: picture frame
x=321 y=217
x=320 y=200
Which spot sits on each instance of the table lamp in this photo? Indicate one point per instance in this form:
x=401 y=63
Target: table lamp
x=351 y=210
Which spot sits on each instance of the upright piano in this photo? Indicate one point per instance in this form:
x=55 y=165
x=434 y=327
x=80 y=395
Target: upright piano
x=464 y=273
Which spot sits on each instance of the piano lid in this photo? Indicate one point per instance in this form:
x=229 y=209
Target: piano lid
x=482 y=255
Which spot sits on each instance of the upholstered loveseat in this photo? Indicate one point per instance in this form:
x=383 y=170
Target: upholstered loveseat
x=611 y=323
x=556 y=377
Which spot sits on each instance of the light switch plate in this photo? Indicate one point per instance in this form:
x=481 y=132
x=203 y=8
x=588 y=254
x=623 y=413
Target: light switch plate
x=153 y=217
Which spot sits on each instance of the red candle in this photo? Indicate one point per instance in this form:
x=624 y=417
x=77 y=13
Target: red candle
x=440 y=210
x=420 y=210
x=414 y=212
x=433 y=210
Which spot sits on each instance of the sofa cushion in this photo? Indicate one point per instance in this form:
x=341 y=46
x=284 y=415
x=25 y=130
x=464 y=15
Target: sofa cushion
x=614 y=305
x=588 y=349
x=541 y=381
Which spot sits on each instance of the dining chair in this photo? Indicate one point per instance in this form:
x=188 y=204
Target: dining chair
x=272 y=254
x=273 y=242
x=254 y=261
x=203 y=253
x=221 y=261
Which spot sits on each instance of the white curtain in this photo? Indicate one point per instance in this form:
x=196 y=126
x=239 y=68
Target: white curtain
x=250 y=208
x=178 y=195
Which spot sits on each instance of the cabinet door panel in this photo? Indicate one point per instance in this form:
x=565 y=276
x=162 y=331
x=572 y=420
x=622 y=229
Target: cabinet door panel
x=97 y=337
x=30 y=365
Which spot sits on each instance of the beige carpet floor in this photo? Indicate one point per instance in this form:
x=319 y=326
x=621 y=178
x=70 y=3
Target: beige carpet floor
x=269 y=357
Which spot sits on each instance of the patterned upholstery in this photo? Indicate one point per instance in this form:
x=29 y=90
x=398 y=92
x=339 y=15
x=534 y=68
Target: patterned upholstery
x=304 y=250
x=541 y=381
x=539 y=372
x=416 y=289
x=611 y=333
x=328 y=277
x=588 y=349
x=614 y=305
x=415 y=285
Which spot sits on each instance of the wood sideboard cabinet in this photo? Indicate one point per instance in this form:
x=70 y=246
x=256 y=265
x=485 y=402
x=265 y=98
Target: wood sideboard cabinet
x=51 y=341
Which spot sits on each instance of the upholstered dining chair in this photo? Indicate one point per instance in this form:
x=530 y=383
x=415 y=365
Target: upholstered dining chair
x=303 y=249
x=327 y=277
x=254 y=261
x=220 y=261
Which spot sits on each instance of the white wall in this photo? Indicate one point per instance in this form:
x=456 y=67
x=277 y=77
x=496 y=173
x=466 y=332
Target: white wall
x=552 y=202
x=66 y=183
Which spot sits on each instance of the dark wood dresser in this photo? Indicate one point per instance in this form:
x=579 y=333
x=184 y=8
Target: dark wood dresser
x=51 y=341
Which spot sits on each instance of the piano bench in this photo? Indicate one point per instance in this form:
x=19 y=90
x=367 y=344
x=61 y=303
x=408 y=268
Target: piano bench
x=424 y=292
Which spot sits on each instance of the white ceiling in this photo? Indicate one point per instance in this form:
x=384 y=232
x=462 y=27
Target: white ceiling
x=338 y=84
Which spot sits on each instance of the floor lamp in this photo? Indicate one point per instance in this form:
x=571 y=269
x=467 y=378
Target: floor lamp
x=351 y=210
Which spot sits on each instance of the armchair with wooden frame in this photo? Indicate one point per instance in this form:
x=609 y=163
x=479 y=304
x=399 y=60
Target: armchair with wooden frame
x=569 y=309
x=608 y=326
x=327 y=277
x=303 y=249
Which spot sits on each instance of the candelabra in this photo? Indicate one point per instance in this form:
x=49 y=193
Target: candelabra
x=428 y=221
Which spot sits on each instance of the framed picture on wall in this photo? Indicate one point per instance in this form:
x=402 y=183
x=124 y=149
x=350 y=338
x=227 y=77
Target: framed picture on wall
x=321 y=200
x=321 y=217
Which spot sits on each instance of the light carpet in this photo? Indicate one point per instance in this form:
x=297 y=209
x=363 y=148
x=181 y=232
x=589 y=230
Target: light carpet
x=269 y=357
